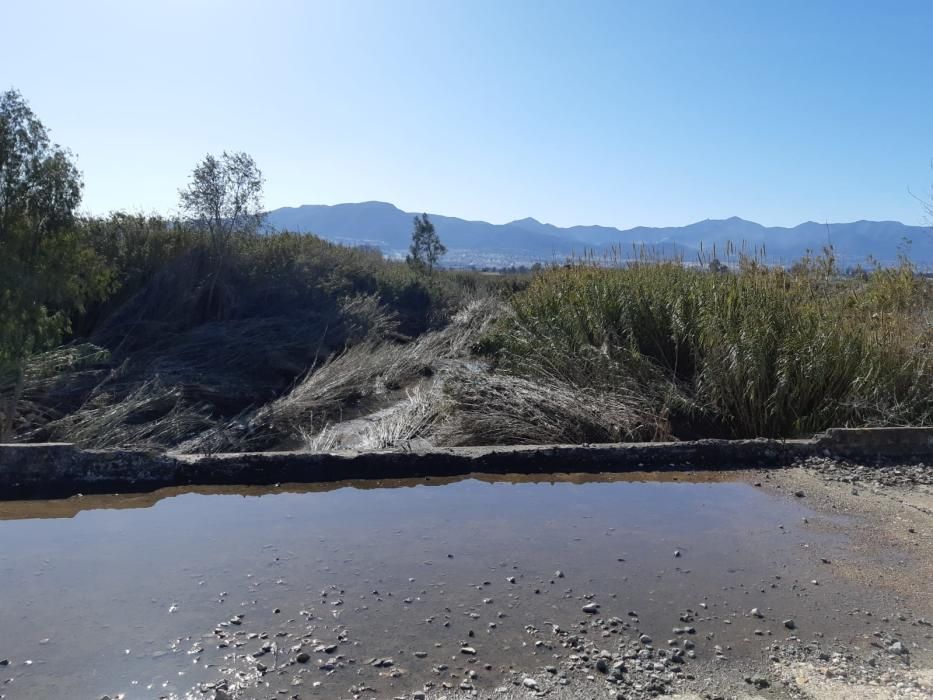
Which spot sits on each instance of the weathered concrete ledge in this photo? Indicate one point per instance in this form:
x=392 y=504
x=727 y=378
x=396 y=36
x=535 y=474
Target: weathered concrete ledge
x=49 y=470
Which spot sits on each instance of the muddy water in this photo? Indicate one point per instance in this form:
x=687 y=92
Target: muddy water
x=151 y=595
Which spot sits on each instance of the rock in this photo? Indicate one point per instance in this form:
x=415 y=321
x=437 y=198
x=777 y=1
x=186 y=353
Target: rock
x=759 y=682
x=798 y=494
x=676 y=553
x=221 y=694
x=303 y=657
x=897 y=648
x=4 y=662
x=790 y=624
x=469 y=651
x=418 y=695
x=644 y=639
x=591 y=608
x=602 y=665
x=530 y=683
x=420 y=654
x=559 y=573
x=511 y=579
x=755 y=612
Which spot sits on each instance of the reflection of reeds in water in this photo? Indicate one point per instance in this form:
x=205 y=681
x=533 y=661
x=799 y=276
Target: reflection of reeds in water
x=70 y=507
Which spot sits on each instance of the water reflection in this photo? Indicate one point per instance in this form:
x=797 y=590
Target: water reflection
x=70 y=507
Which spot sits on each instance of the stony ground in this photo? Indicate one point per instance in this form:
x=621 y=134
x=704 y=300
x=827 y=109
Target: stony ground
x=888 y=519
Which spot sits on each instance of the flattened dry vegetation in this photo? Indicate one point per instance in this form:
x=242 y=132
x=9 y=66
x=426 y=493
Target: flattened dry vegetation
x=285 y=341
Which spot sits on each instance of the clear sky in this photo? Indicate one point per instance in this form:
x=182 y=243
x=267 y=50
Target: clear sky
x=574 y=112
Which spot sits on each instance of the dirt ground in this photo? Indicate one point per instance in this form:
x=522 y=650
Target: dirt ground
x=887 y=515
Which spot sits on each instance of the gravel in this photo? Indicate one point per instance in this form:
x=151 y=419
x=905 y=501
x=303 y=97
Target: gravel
x=883 y=474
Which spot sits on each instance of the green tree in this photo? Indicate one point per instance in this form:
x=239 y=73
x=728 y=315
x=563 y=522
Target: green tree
x=224 y=195
x=47 y=272
x=426 y=247
x=223 y=198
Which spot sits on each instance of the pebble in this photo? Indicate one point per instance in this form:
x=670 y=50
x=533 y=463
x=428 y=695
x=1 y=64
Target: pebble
x=530 y=683
x=591 y=608
x=469 y=651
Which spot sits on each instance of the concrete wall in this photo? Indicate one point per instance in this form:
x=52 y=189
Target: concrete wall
x=48 y=470
x=867 y=444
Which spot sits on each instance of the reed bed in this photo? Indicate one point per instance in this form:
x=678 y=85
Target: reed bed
x=752 y=351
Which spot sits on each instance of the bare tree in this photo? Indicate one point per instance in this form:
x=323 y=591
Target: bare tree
x=224 y=195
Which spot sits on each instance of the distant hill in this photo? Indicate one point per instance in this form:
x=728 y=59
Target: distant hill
x=525 y=241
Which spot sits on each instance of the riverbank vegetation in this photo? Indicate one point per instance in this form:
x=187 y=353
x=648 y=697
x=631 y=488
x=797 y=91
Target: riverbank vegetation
x=204 y=333
x=744 y=352
x=305 y=344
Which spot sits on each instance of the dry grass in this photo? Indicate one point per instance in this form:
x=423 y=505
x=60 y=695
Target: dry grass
x=414 y=418
x=151 y=416
x=367 y=377
x=56 y=383
x=501 y=409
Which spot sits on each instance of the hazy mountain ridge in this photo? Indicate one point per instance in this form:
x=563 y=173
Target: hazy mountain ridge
x=528 y=240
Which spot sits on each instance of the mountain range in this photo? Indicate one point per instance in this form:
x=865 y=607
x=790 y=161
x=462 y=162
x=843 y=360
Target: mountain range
x=525 y=241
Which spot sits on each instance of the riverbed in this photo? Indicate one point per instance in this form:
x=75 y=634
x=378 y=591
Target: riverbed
x=378 y=588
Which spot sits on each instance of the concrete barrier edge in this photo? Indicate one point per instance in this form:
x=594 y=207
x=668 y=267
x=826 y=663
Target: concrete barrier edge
x=61 y=469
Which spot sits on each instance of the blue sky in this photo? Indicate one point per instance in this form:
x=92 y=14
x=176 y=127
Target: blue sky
x=616 y=113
